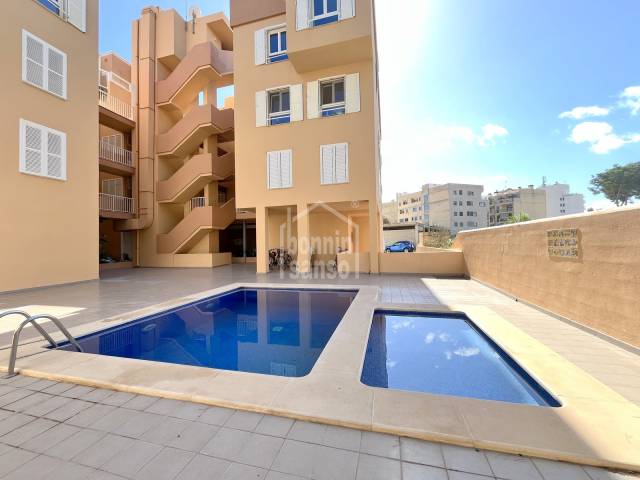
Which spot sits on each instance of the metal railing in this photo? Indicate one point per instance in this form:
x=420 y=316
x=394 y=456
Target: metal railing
x=31 y=319
x=115 y=203
x=115 y=104
x=197 y=202
x=116 y=154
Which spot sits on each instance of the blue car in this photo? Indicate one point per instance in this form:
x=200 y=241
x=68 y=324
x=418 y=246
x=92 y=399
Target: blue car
x=401 y=246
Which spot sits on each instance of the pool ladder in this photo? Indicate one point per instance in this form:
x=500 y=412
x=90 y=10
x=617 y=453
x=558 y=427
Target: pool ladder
x=31 y=319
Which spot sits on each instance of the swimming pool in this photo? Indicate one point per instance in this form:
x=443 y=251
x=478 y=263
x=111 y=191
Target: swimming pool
x=445 y=354
x=270 y=331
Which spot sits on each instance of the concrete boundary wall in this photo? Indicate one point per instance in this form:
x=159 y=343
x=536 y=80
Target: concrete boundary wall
x=600 y=288
x=434 y=261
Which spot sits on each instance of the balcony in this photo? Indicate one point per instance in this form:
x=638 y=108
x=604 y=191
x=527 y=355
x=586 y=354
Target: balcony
x=115 y=206
x=114 y=112
x=114 y=159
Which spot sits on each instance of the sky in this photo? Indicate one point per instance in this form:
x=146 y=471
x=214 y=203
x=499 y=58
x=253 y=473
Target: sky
x=496 y=92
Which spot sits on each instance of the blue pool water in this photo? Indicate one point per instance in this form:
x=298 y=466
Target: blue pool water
x=270 y=331
x=444 y=354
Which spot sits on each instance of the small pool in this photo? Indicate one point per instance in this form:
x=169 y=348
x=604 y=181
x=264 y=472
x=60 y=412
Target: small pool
x=270 y=331
x=445 y=354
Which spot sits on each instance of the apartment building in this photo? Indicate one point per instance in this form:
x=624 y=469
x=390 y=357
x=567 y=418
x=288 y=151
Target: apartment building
x=410 y=207
x=49 y=193
x=560 y=200
x=515 y=201
x=390 y=212
x=308 y=128
x=455 y=206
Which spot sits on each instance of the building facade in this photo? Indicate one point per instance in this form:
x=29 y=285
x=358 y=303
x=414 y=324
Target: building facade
x=456 y=207
x=410 y=207
x=49 y=193
x=516 y=201
x=307 y=129
x=560 y=200
x=390 y=212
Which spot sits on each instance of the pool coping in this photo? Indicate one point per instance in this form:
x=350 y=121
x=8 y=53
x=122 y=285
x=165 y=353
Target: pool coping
x=594 y=426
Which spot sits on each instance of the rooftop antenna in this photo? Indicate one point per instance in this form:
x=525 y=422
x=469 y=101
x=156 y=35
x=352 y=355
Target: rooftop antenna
x=193 y=13
x=544 y=181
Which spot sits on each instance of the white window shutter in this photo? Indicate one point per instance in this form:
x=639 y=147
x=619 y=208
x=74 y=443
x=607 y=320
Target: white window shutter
x=56 y=155
x=34 y=52
x=261 y=46
x=295 y=98
x=31 y=148
x=77 y=14
x=327 y=164
x=313 y=101
x=43 y=151
x=347 y=9
x=261 y=108
x=56 y=72
x=273 y=170
x=352 y=93
x=286 y=169
x=302 y=14
x=341 y=163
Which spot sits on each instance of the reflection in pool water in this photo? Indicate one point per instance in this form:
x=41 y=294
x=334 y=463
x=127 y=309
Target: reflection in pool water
x=271 y=331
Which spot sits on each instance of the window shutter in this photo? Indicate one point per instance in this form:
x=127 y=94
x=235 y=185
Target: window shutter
x=352 y=89
x=341 y=157
x=31 y=152
x=33 y=59
x=56 y=72
x=286 y=170
x=261 y=47
x=347 y=9
x=327 y=164
x=261 y=108
x=43 y=151
x=313 y=103
x=77 y=14
x=273 y=170
x=302 y=14
x=56 y=155
x=297 y=108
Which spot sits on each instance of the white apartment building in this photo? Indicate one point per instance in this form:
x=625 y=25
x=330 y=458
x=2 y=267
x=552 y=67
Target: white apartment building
x=561 y=202
x=410 y=207
x=455 y=206
x=516 y=201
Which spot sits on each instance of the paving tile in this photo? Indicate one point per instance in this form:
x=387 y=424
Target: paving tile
x=378 y=468
x=130 y=460
x=26 y=402
x=14 y=396
x=341 y=437
x=166 y=465
x=27 y=432
x=138 y=424
x=512 y=467
x=116 y=399
x=37 y=468
x=273 y=475
x=100 y=475
x=140 y=402
x=13 y=459
x=242 y=420
x=412 y=471
x=13 y=421
x=40 y=385
x=46 y=440
x=78 y=391
x=238 y=471
x=165 y=432
x=76 y=443
x=419 y=451
x=203 y=466
x=465 y=460
x=380 y=444
x=316 y=461
x=5 y=448
x=103 y=451
x=455 y=475
x=275 y=426
x=4 y=389
x=68 y=410
x=551 y=470
x=216 y=415
x=90 y=415
x=194 y=437
x=244 y=447
x=164 y=406
x=70 y=471
x=58 y=388
x=5 y=414
x=96 y=395
x=113 y=420
x=189 y=411
x=602 y=474
x=307 y=432
x=20 y=381
x=48 y=405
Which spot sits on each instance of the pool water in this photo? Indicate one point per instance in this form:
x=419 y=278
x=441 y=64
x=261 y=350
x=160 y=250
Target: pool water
x=445 y=354
x=270 y=331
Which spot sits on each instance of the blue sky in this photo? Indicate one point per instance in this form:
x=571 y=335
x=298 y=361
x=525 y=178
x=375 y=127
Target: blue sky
x=488 y=90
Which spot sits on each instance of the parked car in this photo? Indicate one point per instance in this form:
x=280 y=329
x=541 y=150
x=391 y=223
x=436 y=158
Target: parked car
x=401 y=246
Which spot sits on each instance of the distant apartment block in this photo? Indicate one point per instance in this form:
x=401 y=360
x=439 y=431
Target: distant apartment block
x=390 y=212
x=561 y=202
x=410 y=207
x=516 y=201
x=456 y=206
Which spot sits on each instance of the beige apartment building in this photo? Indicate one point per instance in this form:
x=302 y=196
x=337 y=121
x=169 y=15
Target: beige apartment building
x=455 y=206
x=49 y=194
x=308 y=129
x=515 y=201
x=410 y=207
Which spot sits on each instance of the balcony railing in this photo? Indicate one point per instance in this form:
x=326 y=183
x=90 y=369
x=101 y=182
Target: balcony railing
x=197 y=202
x=115 y=203
x=115 y=104
x=116 y=154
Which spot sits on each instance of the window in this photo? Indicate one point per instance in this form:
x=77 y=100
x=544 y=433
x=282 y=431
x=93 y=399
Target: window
x=72 y=11
x=277 y=45
x=334 y=164
x=113 y=186
x=469 y=203
x=324 y=11
x=332 y=97
x=279 y=169
x=470 y=193
x=279 y=107
x=43 y=151
x=43 y=66
x=201 y=98
x=51 y=5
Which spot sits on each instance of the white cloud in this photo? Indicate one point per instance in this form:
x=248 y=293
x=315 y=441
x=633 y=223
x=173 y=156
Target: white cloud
x=600 y=204
x=601 y=137
x=491 y=132
x=630 y=98
x=467 y=351
x=578 y=113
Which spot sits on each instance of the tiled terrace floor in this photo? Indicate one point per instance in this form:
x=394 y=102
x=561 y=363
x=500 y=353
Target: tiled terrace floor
x=52 y=430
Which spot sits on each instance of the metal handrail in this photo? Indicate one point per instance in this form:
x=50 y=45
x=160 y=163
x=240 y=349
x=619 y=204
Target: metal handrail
x=31 y=319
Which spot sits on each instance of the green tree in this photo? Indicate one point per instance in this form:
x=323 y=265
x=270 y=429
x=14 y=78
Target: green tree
x=521 y=217
x=620 y=183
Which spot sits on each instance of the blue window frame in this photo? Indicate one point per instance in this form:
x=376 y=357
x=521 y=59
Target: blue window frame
x=51 y=5
x=279 y=107
x=277 y=45
x=332 y=97
x=324 y=12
